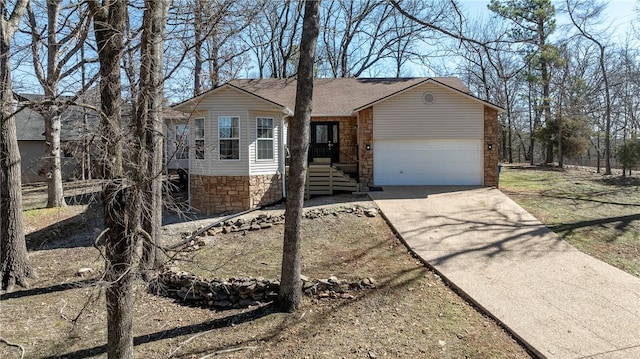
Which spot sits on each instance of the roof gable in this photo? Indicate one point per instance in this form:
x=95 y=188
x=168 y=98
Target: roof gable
x=191 y=104
x=455 y=86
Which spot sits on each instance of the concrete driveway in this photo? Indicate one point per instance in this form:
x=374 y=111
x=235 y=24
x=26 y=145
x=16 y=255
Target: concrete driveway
x=559 y=301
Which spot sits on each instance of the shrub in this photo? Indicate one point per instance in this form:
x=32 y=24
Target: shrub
x=629 y=153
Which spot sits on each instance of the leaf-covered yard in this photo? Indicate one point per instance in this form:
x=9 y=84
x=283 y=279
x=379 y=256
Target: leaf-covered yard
x=411 y=313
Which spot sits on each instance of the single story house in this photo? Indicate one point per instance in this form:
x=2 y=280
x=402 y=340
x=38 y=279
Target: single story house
x=372 y=131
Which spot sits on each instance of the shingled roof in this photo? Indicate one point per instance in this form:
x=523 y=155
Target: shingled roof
x=30 y=123
x=336 y=96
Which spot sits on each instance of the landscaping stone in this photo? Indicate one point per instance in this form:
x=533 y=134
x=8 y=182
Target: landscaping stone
x=84 y=272
x=242 y=292
x=371 y=213
x=266 y=221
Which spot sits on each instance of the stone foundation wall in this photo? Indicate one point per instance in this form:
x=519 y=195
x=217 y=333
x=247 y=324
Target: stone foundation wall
x=491 y=155
x=220 y=194
x=232 y=194
x=365 y=137
x=265 y=189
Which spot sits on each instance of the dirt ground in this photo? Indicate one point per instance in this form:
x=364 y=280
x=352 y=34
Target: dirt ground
x=411 y=313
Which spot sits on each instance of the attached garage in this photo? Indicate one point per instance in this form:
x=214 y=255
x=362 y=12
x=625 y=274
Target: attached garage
x=428 y=162
x=430 y=134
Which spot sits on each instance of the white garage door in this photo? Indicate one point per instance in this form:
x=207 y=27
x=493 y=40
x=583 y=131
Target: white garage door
x=427 y=162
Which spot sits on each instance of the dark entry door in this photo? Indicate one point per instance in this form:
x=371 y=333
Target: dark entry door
x=325 y=144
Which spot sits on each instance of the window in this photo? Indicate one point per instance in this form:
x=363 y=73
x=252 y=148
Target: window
x=199 y=138
x=229 y=137
x=182 y=142
x=264 y=145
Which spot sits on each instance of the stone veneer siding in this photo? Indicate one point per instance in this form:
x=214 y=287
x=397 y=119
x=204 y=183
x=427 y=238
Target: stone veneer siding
x=230 y=194
x=265 y=189
x=365 y=137
x=491 y=156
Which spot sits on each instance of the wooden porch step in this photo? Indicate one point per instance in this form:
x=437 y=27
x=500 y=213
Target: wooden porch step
x=326 y=179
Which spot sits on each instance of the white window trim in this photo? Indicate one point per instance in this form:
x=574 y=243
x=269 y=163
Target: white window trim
x=231 y=138
x=181 y=141
x=272 y=139
x=196 y=138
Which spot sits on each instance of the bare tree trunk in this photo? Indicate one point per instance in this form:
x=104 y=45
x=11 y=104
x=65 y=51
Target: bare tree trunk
x=14 y=263
x=546 y=106
x=53 y=123
x=197 y=49
x=532 y=123
x=598 y=154
x=119 y=251
x=607 y=139
x=150 y=115
x=290 y=294
x=86 y=143
x=109 y=21
x=214 y=60
x=53 y=126
x=560 y=152
x=509 y=125
x=559 y=114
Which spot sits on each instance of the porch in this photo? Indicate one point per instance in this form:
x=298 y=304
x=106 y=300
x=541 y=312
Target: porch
x=333 y=156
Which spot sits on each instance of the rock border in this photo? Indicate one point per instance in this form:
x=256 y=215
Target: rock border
x=235 y=293
x=265 y=221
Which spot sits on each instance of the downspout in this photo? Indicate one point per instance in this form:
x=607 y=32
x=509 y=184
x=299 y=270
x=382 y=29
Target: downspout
x=357 y=115
x=283 y=153
x=283 y=157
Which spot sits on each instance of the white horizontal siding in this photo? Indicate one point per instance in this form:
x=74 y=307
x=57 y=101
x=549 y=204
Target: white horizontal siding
x=262 y=167
x=406 y=116
x=228 y=102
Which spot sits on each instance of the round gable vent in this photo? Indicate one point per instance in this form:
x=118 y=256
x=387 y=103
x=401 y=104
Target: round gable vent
x=428 y=98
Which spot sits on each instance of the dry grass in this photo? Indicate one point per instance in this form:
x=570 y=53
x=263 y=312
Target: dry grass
x=599 y=215
x=410 y=314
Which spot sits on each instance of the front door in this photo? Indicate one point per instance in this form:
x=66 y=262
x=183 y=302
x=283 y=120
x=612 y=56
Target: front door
x=325 y=144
